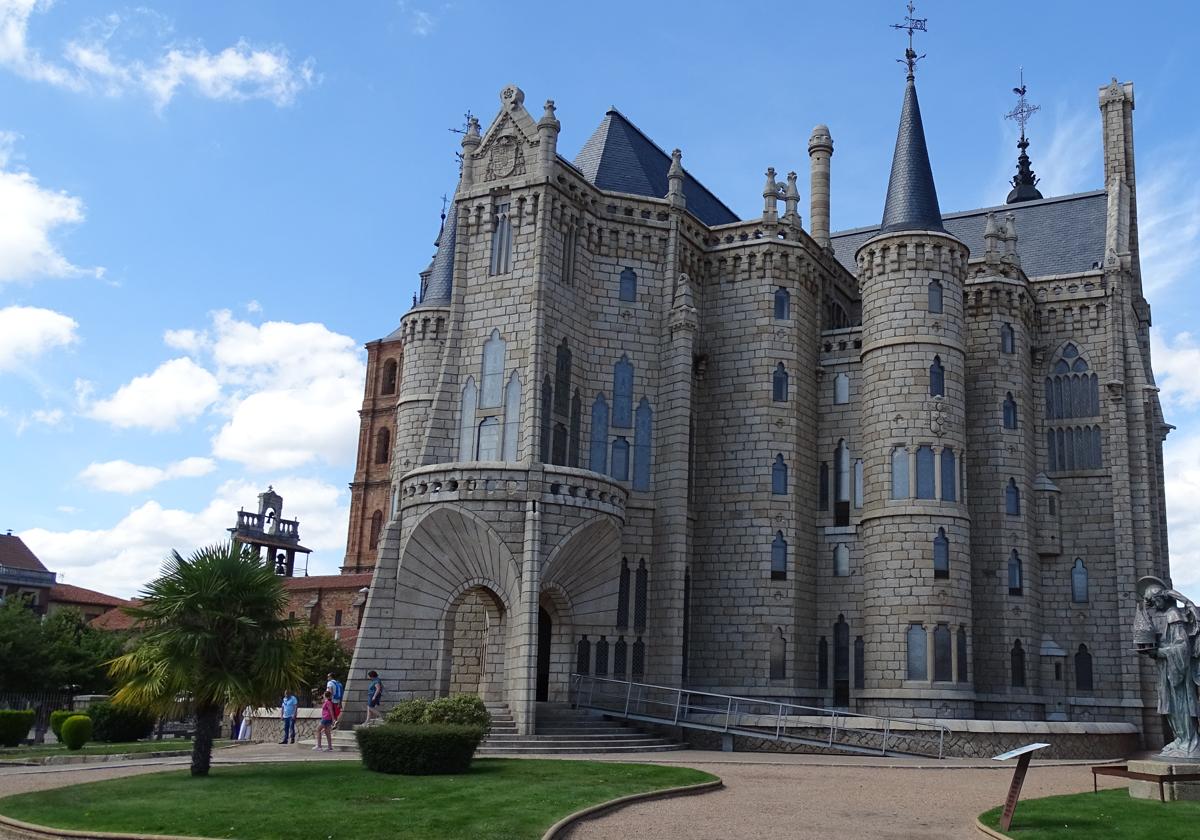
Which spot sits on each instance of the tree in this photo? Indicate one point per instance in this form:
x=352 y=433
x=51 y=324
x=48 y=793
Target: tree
x=211 y=629
x=317 y=654
x=78 y=655
x=23 y=650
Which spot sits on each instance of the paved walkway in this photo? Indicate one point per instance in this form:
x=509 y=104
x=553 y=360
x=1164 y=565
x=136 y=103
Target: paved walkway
x=765 y=795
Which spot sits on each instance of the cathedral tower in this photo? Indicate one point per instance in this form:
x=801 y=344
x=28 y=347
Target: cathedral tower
x=915 y=528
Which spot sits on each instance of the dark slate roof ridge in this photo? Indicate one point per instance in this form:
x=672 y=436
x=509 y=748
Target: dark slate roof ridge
x=997 y=208
x=912 y=202
x=703 y=204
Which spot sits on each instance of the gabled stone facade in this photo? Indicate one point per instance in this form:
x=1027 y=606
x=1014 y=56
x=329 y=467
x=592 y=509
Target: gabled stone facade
x=915 y=472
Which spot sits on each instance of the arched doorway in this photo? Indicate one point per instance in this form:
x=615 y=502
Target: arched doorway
x=545 y=636
x=473 y=645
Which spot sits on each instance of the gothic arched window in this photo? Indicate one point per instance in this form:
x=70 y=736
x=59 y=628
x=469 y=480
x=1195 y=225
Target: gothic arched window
x=779 y=477
x=628 y=285
x=501 y=262
x=943 y=670
x=783 y=304
x=778 y=655
x=1083 y=669
x=622 y=416
x=1016 y=574
x=841 y=560
x=1072 y=391
x=949 y=473
x=917 y=654
x=512 y=416
x=935 y=297
x=599 y=450
x=643 y=421
x=492 y=371
x=1007 y=340
x=899 y=472
x=620 y=458
x=1010 y=411
x=925 y=485
x=1016 y=659
x=489 y=440
x=779 y=557
x=383 y=446
x=1012 y=498
x=1079 y=582
x=387 y=383
x=779 y=384
x=941 y=555
x=937 y=378
x=841 y=389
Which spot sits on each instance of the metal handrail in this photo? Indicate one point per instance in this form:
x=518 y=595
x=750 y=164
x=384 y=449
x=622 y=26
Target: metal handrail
x=727 y=712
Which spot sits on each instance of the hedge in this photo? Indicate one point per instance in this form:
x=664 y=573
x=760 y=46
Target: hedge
x=115 y=724
x=418 y=750
x=14 y=726
x=459 y=709
x=76 y=731
x=56 y=720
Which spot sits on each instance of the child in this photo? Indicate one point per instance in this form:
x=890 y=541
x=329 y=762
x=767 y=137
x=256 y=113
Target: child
x=326 y=726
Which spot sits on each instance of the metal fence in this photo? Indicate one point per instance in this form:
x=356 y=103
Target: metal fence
x=42 y=703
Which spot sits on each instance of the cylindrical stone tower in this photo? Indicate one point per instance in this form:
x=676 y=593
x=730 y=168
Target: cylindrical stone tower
x=820 y=151
x=915 y=529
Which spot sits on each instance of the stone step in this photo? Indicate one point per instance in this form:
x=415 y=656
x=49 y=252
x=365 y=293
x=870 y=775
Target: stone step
x=580 y=730
x=541 y=749
x=631 y=734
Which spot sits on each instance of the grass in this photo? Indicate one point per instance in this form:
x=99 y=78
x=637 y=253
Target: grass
x=98 y=748
x=499 y=799
x=1100 y=816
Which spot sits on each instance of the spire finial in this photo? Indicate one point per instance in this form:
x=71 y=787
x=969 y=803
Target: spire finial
x=911 y=24
x=1024 y=182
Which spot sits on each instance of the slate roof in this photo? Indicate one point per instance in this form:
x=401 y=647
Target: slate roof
x=16 y=555
x=618 y=157
x=441 y=273
x=65 y=593
x=912 y=202
x=1059 y=235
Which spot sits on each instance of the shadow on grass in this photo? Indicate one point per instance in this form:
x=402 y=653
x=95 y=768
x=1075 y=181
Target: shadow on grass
x=1107 y=815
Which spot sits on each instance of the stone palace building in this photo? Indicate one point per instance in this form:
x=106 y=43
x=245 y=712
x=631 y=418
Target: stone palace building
x=913 y=468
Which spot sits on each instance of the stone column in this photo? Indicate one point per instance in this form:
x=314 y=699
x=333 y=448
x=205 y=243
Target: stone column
x=522 y=658
x=820 y=152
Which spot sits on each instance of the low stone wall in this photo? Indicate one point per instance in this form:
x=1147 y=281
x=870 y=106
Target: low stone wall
x=266 y=725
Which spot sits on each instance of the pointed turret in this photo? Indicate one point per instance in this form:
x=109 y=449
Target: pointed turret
x=912 y=202
x=436 y=290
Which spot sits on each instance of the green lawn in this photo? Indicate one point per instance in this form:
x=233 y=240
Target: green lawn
x=498 y=799
x=98 y=748
x=1100 y=816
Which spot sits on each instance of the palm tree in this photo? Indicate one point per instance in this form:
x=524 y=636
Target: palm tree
x=212 y=628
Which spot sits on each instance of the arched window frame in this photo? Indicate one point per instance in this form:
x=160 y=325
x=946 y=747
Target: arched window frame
x=1009 y=411
x=491 y=371
x=941 y=554
x=642 y=444
x=779 y=384
x=1016 y=574
x=779 y=557
x=389 y=377
x=943 y=654
x=949 y=474
x=783 y=304
x=622 y=409
x=1012 y=498
x=1017 y=665
x=627 y=290
x=1007 y=339
x=383 y=446
x=778 y=665
x=900 y=488
x=917 y=659
x=598 y=461
x=1084 y=675
x=937 y=378
x=1079 y=582
x=620 y=458
x=935 y=297
x=779 y=476
x=926 y=488
x=488 y=443
x=512 y=416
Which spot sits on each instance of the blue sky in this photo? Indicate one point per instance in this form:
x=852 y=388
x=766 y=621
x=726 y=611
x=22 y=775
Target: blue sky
x=206 y=209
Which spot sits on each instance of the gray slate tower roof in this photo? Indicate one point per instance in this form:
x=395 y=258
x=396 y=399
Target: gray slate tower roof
x=912 y=202
x=441 y=275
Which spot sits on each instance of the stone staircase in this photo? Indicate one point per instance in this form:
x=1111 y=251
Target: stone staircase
x=562 y=730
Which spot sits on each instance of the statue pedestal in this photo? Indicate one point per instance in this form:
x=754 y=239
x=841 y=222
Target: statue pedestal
x=1164 y=771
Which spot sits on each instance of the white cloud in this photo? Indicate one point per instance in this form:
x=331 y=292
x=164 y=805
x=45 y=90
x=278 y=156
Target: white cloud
x=67 y=509
x=254 y=307
x=420 y=22
x=1070 y=162
x=124 y=477
x=1181 y=468
x=29 y=215
x=51 y=418
x=177 y=390
x=121 y=559
x=95 y=62
x=1176 y=361
x=27 y=332
x=1169 y=217
x=189 y=341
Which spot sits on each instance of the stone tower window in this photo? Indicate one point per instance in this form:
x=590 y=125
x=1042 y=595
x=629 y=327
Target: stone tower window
x=779 y=384
x=620 y=458
x=560 y=413
x=823 y=486
x=841 y=560
x=899 y=472
x=925 y=481
x=501 y=262
x=598 y=461
x=583 y=656
x=1072 y=391
x=547 y=417
x=841 y=389
x=623 y=393
x=783 y=304
x=642 y=448
x=835 y=316
x=822 y=663
x=915 y=640
x=778 y=655
x=640 y=584
x=512 y=416
x=570 y=242
x=1083 y=669
x=628 y=285
x=1017 y=665
x=1071 y=448
x=1007 y=341
x=620 y=654
x=779 y=476
x=558 y=443
x=387 y=382
x=941 y=554
x=602 y=657
x=1079 y=582
x=860 y=664
x=1010 y=411
x=376 y=529
x=623 y=596
x=937 y=378
x=383 y=446
x=489 y=440
x=841 y=662
x=949 y=472
x=1016 y=574
x=858 y=483
x=574 y=430
x=942 y=665
x=492 y=371
x=935 y=297
x=562 y=378
x=779 y=557
x=639 y=659
x=1012 y=498
x=963 y=674
x=841 y=484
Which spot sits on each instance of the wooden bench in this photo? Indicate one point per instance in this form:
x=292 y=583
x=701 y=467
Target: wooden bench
x=1122 y=771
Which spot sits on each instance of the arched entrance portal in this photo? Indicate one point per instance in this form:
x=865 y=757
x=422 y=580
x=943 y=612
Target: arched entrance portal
x=473 y=645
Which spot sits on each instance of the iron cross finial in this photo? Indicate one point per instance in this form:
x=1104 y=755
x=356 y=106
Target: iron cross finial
x=1023 y=111
x=911 y=25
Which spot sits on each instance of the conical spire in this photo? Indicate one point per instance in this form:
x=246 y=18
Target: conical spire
x=441 y=273
x=912 y=202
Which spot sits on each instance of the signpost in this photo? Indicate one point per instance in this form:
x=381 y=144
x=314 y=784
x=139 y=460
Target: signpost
x=1022 y=754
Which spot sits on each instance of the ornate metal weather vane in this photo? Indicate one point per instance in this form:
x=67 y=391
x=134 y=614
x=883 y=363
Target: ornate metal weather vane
x=911 y=24
x=1024 y=110
x=467 y=118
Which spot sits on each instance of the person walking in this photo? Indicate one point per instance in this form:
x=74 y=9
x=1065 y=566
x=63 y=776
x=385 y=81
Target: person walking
x=335 y=690
x=374 y=696
x=287 y=711
x=326 y=725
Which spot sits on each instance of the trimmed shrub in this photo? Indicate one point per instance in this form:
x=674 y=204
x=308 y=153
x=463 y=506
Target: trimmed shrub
x=408 y=712
x=418 y=750
x=14 y=726
x=113 y=723
x=76 y=731
x=56 y=720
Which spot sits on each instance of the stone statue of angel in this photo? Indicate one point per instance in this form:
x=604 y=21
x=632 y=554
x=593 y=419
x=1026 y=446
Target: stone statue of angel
x=1169 y=633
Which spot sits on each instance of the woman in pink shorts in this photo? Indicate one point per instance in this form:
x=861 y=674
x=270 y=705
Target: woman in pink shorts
x=328 y=713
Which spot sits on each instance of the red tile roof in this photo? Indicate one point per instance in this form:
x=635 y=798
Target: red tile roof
x=65 y=593
x=16 y=555
x=115 y=619
x=357 y=581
